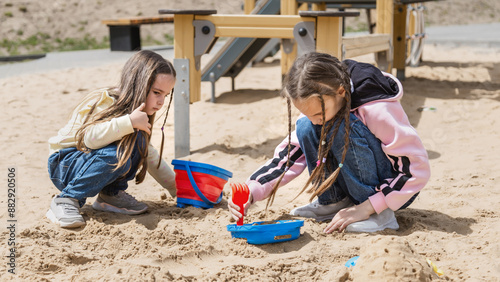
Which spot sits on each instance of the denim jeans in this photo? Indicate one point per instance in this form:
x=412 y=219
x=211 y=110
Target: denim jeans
x=81 y=175
x=365 y=165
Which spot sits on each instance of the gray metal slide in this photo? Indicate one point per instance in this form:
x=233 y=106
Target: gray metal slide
x=238 y=52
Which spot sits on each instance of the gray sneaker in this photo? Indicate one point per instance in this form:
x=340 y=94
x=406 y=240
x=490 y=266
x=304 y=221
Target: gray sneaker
x=321 y=212
x=119 y=203
x=65 y=212
x=376 y=222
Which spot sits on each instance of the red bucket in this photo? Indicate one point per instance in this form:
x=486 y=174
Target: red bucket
x=198 y=184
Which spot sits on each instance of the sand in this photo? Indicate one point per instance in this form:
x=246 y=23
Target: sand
x=454 y=222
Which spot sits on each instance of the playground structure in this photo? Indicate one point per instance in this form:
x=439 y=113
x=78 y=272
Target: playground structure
x=196 y=31
x=403 y=19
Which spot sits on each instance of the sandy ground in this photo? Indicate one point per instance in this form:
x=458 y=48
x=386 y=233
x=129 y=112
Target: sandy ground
x=454 y=222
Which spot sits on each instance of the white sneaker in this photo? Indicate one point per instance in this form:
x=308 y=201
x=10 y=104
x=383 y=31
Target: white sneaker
x=65 y=212
x=321 y=212
x=376 y=222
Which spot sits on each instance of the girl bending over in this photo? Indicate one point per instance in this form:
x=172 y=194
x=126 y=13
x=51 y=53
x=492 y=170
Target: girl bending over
x=364 y=158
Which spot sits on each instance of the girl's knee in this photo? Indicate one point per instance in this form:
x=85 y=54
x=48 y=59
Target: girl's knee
x=107 y=159
x=110 y=163
x=304 y=127
x=125 y=168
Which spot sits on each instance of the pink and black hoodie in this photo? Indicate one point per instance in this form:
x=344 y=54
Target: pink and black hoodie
x=375 y=101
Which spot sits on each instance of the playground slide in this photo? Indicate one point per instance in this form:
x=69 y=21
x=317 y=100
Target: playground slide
x=238 y=52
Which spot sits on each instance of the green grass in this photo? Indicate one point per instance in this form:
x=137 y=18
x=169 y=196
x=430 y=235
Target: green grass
x=85 y=43
x=149 y=41
x=169 y=38
x=361 y=26
x=44 y=43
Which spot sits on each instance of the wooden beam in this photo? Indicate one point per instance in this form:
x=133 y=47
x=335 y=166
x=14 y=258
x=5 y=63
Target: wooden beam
x=139 y=20
x=353 y=52
x=268 y=21
x=366 y=44
x=365 y=40
x=254 y=32
x=256 y=26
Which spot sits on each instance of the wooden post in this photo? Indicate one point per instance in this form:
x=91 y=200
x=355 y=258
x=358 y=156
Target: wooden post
x=249 y=6
x=303 y=7
x=411 y=30
x=385 y=10
x=328 y=35
x=184 y=49
x=385 y=25
x=399 y=40
x=318 y=7
x=288 y=7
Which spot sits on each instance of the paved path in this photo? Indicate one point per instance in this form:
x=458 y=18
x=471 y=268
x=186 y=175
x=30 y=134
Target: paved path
x=476 y=35
x=73 y=59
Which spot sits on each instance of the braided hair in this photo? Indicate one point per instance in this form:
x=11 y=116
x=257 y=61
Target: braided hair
x=319 y=75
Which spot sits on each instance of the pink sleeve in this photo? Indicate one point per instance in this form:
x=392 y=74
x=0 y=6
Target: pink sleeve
x=400 y=142
x=262 y=181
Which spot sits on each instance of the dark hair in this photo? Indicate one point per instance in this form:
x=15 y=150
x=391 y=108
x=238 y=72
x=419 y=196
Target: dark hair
x=137 y=78
x=317 y=75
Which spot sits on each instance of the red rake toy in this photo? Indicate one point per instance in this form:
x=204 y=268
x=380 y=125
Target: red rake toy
x=240 y=197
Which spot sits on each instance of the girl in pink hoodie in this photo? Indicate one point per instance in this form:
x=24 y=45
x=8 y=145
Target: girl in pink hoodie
x=364 y=158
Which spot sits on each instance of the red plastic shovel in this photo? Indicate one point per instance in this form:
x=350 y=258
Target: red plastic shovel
x=240 y=197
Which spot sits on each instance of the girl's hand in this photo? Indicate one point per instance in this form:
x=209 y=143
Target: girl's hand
x=350 y=215
x=235 y=210
x=140 y=119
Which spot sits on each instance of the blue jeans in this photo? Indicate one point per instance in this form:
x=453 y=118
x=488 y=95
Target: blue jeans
x=365 y=165
x=81 y=175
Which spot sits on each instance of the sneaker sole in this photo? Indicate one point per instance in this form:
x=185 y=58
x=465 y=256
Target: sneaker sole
x=101 y=206
x=74 y=224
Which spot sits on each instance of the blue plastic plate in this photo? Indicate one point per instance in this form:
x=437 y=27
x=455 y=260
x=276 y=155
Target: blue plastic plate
x=265 y=232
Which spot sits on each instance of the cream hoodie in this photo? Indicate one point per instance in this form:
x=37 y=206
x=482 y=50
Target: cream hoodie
x=105 y=133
